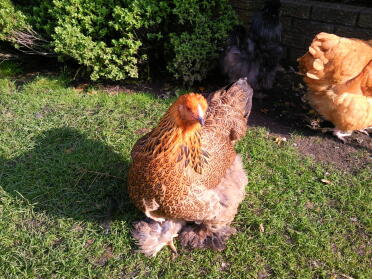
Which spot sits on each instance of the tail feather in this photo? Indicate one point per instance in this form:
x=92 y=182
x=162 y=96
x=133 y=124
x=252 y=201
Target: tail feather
x=266 y=28
x=360 y=85
x=239 y=59
x=238 y=95
x=333 y=60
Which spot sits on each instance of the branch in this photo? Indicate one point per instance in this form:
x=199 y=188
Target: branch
x=30 y=42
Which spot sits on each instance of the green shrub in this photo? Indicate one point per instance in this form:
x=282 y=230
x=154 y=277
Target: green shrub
x=117 y=39
x=206 y=24
x=11 y=20
x=100 y=34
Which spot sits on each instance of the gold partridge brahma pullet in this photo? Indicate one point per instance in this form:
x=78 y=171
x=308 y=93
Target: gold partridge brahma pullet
x=185 y=174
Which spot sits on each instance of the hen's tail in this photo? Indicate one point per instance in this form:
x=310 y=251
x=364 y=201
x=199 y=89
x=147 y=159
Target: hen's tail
x=333 y=60
x=238 y=95
x=360 y=85
x=238 y=59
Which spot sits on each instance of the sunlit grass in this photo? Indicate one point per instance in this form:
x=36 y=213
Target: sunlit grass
x=63 y=162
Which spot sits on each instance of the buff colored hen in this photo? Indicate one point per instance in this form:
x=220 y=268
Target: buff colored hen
x=338 y=73
x=185 y=174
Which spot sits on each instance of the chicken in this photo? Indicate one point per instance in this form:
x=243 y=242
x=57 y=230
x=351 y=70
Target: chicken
x=256 y=54
x=338 y=73
x=185 y=174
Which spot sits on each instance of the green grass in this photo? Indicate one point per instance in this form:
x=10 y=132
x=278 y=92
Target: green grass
x=63 y=162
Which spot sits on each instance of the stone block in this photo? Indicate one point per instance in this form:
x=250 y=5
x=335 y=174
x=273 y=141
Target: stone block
x=365 y=18
x=335 y=13
x=310 y=27
x=299 y=8
x=286 y=23
x=292 y=39
x=354 y=32
x=295 y=53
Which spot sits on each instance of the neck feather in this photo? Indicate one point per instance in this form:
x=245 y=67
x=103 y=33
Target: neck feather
x=176 y=138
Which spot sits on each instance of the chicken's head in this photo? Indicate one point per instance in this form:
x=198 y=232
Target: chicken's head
x=191 y=109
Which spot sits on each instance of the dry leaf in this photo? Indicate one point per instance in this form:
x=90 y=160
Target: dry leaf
x=105 y=256
x=346 y=276
x=264 y=110
x=69 y=150
x=262 y=228
x=201 y=88
x=79 y=90
x=309 y=205
x=77 y=228
x=92 y=92
x=81 y=87
x=89 y=242
x=326 y=181
x=354 y=219
x=142 y=131
x=278 y=140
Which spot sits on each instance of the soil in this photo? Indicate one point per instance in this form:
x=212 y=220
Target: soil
x=286 y=114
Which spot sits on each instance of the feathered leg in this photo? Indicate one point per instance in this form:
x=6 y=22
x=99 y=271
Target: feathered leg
x=152 y=236
x=336 y=132
x=214 y=231
x=366 y=131
x=203 y=236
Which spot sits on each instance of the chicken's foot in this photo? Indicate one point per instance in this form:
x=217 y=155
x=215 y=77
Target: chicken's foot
x=338 y=133
x=152 y=236
x=341 y=135
x=366 y=131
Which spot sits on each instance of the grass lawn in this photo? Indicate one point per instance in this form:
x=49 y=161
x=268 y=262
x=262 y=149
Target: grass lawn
x=63 y=161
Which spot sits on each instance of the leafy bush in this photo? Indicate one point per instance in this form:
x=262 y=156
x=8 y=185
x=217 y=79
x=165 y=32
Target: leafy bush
x=11 y=20
x=116 y=39
x=197 y=46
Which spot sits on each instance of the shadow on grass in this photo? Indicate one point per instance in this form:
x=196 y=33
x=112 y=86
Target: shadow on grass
x=67 y=174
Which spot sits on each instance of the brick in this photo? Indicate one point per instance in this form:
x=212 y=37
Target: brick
x=299 y=8
x=335 y=13
x=292 y=39
x=286 y=22
x=247 y=5
x=295 y=53
x=310 y=27
x=246 y=9
x=365 y=18
x=285 y=54
x=246 y=19
x=354 y=32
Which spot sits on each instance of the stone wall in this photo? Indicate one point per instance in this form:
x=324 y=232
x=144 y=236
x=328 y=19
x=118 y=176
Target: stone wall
x=303 y=19
x=246 y=8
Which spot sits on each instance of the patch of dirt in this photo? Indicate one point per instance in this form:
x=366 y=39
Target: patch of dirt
x=284 y=112
x=105 y=256
x=353 y=155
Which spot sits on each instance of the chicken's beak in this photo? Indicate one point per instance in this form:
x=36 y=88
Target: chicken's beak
x=201 y=121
